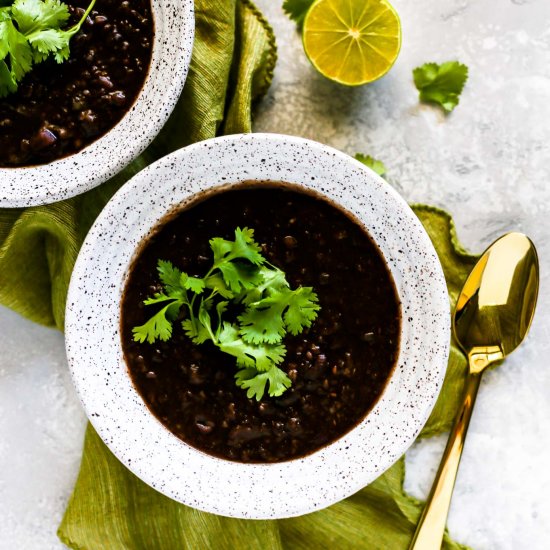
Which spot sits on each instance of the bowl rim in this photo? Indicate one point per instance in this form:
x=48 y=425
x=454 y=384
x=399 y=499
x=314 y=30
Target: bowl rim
x=171 y=485
x=24 y=186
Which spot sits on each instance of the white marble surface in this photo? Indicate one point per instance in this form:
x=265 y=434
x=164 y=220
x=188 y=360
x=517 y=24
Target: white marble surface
x=487 y=163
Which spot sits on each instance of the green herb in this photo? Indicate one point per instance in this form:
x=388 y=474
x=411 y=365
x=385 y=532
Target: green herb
x=441 y=84
x=264 y=309
x=297 y=9
x=375 y=165
x=30 y=32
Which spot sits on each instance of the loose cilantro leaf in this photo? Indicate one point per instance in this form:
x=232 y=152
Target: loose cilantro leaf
x=441 y=84
x=297 y=10
x=243 y=305
x=374 y=164
x=30 y=32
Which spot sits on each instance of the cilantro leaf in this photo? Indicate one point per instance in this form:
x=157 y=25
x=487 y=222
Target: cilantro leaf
x=194 y=284
x=297 y=10
x=157 y=327
x=169 y=275
x=62 y=55
x=38 y=15
x=272 y=279
x=221 y=249
x=243 y=247
x=221 y=308
x=4 y=44
x=374 y=164
x=252 y=381
x=216 y=282
x=45 y=42
x=262 y=322
x=302 y=309
x=7 y=82
x=205 y=321
x=20 y=52
x=255 y=383
x=240 y=276
x=441 y=84
x=195 y=331
x=158 y=298
x=248 y=355
x=246 y=248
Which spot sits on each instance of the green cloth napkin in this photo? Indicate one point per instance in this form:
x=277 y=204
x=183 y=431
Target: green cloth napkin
x=232 y=66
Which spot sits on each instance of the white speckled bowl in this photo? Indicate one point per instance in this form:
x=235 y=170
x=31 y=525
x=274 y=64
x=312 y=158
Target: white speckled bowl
x=99 y=161
x=168 y=464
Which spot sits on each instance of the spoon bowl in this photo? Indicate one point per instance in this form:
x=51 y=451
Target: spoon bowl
x=496 y=306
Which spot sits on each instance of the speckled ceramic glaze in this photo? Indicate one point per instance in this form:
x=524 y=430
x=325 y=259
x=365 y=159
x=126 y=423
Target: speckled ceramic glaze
x=82 y=171
x=120 y=415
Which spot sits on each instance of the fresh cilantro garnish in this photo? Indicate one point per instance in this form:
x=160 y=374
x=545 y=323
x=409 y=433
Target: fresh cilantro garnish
x=297 y=9
x=264 y=309
x=441 y=84
x=374 y=164
x=31 y=32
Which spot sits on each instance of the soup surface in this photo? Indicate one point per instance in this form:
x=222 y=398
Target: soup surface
x=59 y=109
x=338 y=367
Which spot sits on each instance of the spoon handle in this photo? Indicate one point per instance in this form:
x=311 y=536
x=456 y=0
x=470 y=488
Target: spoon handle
x=430 y=528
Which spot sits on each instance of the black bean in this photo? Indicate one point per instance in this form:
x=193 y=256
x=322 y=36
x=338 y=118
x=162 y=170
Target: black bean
x=44 y=138
x=105 y=81
x=290 y=241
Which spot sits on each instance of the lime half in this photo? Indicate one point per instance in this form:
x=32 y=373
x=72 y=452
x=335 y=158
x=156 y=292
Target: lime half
x=352 y=42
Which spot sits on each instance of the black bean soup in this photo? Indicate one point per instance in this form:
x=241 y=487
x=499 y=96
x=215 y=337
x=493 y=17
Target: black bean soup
x=338 y=367
x=61 y=108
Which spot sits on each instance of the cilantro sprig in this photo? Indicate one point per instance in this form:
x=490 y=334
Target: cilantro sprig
x=31 y=32
x=263 y=310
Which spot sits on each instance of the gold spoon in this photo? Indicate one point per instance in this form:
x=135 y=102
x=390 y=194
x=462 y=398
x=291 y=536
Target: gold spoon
x=492 y=317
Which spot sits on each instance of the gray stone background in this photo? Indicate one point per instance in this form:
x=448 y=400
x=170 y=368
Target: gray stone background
x=487 y=163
